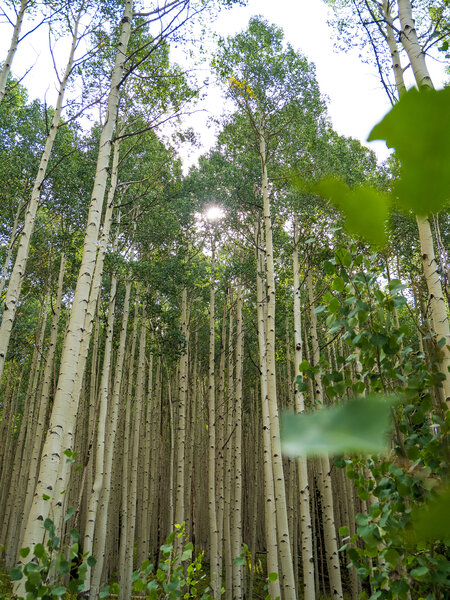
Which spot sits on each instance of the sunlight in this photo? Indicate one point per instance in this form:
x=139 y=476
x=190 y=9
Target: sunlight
x=214 y=212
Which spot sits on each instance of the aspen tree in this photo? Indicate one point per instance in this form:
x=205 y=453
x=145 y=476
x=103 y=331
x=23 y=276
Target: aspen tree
x=302 y=466
x=6 y=67
x=212 y=509
x=23 y=249
x=44 y=396
x=126 y=459
x=284 y=545
x=53 y=450
x=323 y=463
x=94 y=494
x=269 y=491
x=236 y=520
x=105 y=495
x=228 y=462
x=181 y=423
x=137 y=415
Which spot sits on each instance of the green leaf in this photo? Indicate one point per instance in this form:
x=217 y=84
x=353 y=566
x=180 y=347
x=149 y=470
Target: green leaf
x=39 y=551
x=359 y=425
x=343 y=531
x=69 y=514
x=391 y=556
x=59 y=591
x=419 y=571
x=166 y=549
x=73 y=550
x=24 y=552
x=366 y=210
x=45 y=497
x=115 y=589
x=378 y=339
x=418 y=127
x=272 y=576
x=16 y=574
x=91 y=561
x=431 y=521
x=338 y=284
x=239 y=560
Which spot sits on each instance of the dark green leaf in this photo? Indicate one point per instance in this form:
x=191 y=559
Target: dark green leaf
x=16 y=574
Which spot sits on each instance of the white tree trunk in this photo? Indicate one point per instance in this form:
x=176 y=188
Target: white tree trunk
x=64 y=405
x=6 y=68
x=20 y=263
x=302 y=466
x=410 y=41
x=284 y=545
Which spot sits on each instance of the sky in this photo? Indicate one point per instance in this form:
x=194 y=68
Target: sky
x=356 y=100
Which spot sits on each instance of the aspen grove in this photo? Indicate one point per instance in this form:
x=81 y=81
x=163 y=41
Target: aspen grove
x=230 y=380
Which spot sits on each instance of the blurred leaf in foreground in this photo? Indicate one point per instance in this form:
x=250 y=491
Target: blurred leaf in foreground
x=366 y=210
x=360 y=425
x=431 y=521
x=418 y=127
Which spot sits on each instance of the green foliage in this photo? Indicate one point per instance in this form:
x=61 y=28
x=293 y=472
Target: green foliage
x=47 y=570
x=424 y=179
x=358 y=425
x=418 y=127
x=178 y=574
x=400 y=545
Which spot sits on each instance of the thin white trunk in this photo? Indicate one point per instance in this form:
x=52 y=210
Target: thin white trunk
x=410 y=41
x=64 y=403
x=6 y=68
x=269 y=492
x=102 y=519
x=20 y=263
x=284 y=545
x=94 y=494
x=216 y=584
x=302 y=466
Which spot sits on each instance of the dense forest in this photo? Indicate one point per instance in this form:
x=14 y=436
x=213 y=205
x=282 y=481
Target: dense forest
x=231 y=380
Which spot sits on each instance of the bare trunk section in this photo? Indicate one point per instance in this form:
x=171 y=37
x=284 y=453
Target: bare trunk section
x=213 y=530
x=270 y=521
x=6 y=69
x=284 y=545
x=102 y=518
x=94 y=494
x=410 y=41
x=236 y=515
x=302 y=466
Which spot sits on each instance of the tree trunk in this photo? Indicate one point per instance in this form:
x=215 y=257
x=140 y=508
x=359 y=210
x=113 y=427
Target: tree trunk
x=20 y=263
x=302 y=466
x=6 y=68
x=63 y=402
x=284 y=545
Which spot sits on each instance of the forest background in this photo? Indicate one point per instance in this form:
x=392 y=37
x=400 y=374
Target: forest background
x=149 y=339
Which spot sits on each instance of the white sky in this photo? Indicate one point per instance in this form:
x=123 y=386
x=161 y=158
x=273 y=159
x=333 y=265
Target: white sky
x=356 y=99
